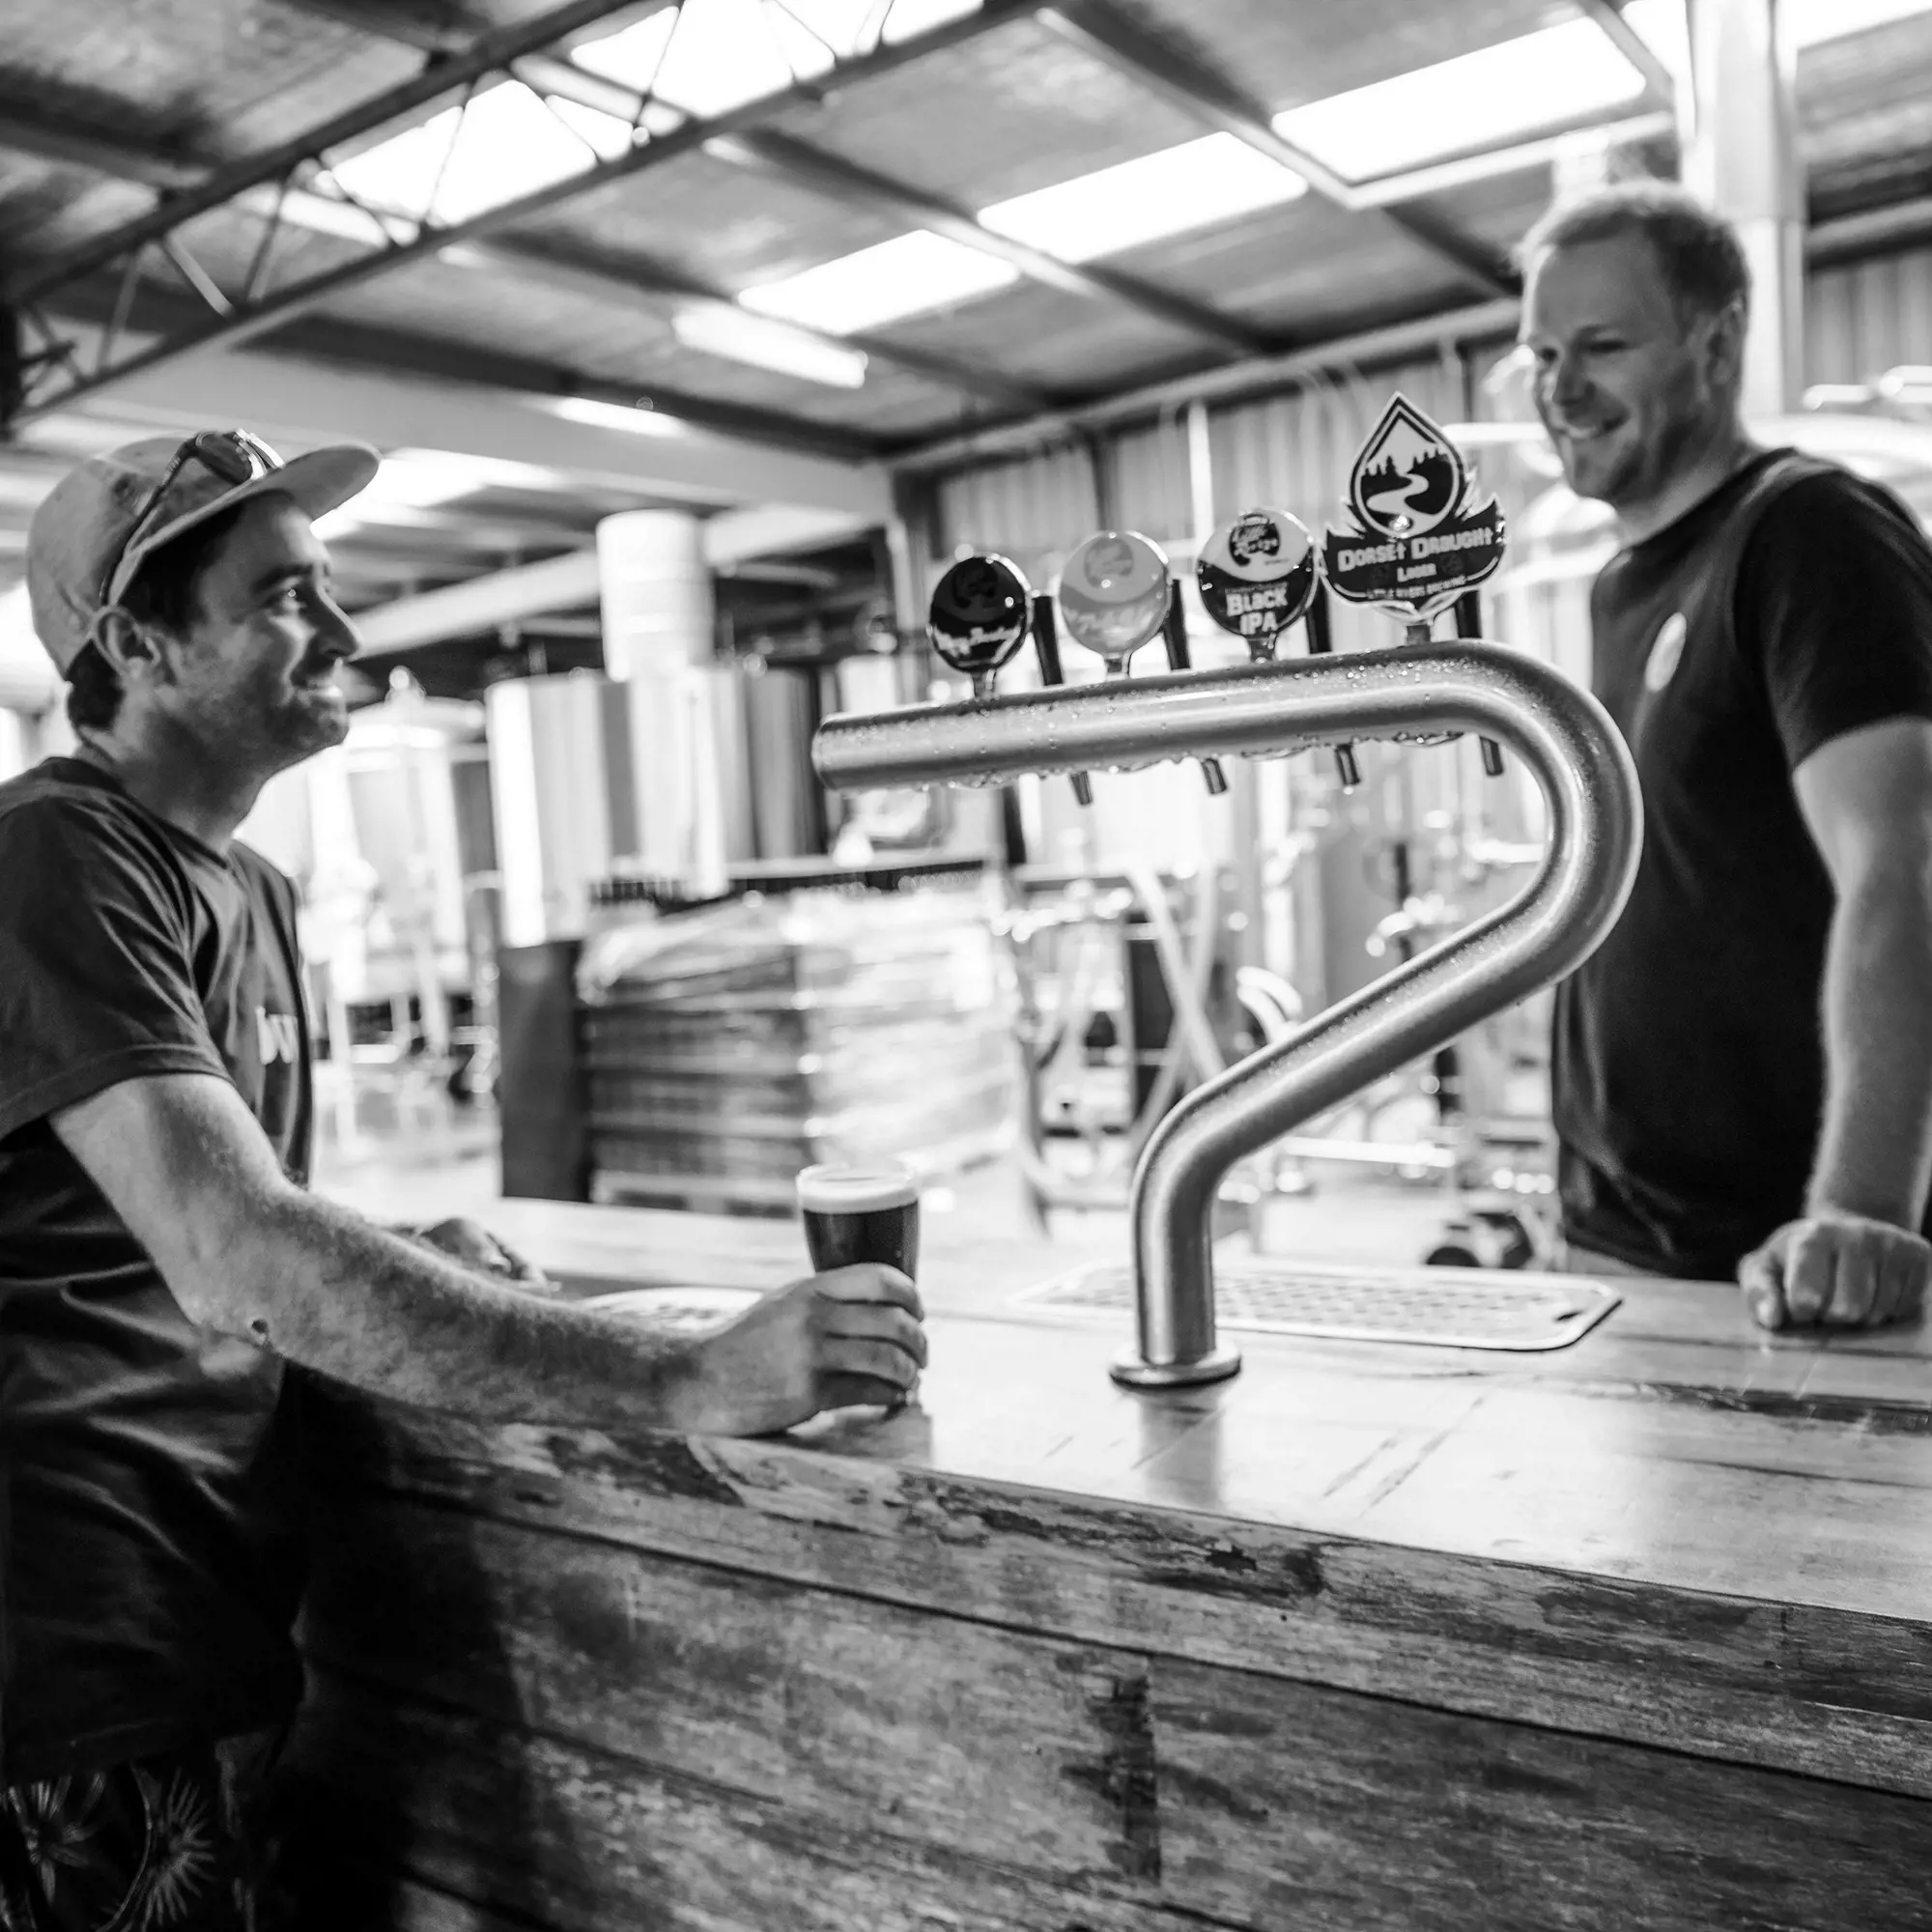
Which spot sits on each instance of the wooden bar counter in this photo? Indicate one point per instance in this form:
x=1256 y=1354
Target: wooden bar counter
x=1636 y=1635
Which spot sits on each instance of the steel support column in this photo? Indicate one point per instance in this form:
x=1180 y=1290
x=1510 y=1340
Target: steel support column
x=1741 y=154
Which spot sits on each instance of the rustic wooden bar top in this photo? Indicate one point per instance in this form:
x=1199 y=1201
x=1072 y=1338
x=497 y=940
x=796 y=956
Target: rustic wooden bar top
x=1676 y=1443
x=1636 y=1633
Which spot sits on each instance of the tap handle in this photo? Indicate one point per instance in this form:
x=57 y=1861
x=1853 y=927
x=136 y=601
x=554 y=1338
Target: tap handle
x=1046 y=648
x=1321 y=644
x=1113 y=595
x=1255 y=576
x=1469 y=624
x=977 y=617
x=1174 y=633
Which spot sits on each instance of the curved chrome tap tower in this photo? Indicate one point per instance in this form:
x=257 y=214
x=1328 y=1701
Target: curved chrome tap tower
x=1561 y=733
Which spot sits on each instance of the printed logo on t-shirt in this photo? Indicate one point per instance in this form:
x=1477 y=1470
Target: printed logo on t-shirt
x=276 y=1037
x=1665 y=654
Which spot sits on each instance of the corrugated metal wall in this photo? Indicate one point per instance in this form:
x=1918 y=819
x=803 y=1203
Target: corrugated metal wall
x=1864 y=318
x=1293 y=450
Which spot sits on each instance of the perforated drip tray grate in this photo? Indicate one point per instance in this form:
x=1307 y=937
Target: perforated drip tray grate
x=1446 y=1308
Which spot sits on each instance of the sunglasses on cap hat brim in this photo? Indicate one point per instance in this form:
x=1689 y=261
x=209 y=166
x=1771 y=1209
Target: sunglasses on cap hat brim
x=232 y=456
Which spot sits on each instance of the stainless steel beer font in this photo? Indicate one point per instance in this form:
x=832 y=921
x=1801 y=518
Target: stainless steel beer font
x=1563 y=736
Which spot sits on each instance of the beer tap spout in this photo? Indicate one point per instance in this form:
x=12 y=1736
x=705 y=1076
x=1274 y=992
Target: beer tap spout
x=1566 y=742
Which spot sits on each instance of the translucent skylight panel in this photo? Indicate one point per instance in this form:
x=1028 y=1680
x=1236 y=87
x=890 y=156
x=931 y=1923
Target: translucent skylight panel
x=846 y=26
x=1142 y=200
x=805 y=53
x=1476 y=100
x=323 y=214
x=604 y=134
x=507 y=143
x=634 y=56
x=706 y=57
x=899 y=277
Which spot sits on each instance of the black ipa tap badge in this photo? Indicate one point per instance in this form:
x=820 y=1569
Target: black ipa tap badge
x=1420 y=537
x=1257 y=576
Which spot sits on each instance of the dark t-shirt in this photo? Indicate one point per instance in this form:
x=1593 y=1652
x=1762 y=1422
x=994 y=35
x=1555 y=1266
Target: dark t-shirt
x=1790 y=606
x=148 y=1565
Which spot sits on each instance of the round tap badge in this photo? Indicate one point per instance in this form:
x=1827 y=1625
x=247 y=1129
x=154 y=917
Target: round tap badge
x=979 y=614
x=1257 y=576
x=1113 y=594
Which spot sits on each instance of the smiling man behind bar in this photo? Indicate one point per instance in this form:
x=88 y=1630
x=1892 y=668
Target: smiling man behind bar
x=1744 y=1071
x=160 y=1256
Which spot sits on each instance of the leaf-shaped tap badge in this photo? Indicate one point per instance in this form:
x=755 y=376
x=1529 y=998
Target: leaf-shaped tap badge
x=1419 y=535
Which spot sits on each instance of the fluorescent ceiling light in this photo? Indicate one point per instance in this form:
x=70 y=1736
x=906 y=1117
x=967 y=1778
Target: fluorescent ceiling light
x=420 y=479
x=1183 y=187
x=880 y=284
x=507 y=144
x=597 y=414
x=723 y=328
x=1475 y=101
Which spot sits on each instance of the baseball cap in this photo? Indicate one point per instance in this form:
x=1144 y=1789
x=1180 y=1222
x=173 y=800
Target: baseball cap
x=95 y=527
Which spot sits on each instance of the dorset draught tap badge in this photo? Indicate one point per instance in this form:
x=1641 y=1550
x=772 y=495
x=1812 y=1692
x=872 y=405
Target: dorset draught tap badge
x=1420 y=537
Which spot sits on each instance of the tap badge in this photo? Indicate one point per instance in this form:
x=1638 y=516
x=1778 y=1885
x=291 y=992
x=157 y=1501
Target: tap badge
x=1419 y=537
x=1257 y=576
x=978 y=615
x=1113 y=593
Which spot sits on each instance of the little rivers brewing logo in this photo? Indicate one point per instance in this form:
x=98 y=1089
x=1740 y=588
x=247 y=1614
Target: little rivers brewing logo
x=1419 y=538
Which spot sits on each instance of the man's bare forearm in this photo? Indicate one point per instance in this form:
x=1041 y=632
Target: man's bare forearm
x=1875 y=1142
x=377 y=1309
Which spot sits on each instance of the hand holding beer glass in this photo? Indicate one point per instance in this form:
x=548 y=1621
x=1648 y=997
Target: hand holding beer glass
x=862 y=1216
x=846 y=1336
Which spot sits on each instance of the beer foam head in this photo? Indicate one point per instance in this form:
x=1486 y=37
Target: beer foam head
x=858 y=1187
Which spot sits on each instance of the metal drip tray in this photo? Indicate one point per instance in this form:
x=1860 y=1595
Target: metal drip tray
x=1444 y=1308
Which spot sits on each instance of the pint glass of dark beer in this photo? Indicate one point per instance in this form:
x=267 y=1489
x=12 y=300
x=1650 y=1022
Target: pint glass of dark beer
x=861 y=1212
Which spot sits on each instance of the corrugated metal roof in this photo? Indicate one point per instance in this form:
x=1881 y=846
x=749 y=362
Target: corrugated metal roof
x=1303 y=271
x=1287 y=52
x=1017 y=110
x=157 y=89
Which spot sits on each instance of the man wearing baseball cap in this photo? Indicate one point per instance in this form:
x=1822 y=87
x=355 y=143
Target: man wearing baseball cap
x=161 y=1257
